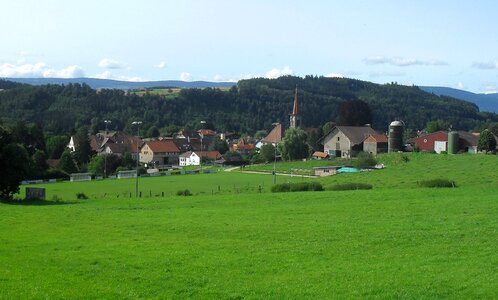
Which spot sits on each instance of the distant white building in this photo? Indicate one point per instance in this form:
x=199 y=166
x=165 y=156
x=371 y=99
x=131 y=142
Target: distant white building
x=190 y=158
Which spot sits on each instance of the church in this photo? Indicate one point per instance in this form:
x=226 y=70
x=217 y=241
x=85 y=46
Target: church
x=278 y=132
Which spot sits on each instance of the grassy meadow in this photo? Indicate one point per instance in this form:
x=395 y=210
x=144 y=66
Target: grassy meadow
x=394 y=241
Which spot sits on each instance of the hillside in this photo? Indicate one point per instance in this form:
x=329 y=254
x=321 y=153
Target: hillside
x=485 y=102
x=96 y=83
x=250 y=106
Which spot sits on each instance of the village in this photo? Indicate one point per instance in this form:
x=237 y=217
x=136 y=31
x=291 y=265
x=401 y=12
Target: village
x=193 y=148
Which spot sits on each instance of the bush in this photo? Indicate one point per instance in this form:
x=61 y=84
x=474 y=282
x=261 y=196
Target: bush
x=297 y=187
x=351 y=186
x=185 y=192
x=364 y=160
x=437 y=183
x=81 y=196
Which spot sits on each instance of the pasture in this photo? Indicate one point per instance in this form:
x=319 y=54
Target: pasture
x=395 y=241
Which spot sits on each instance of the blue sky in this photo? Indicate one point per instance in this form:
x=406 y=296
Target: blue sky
x=438 y=43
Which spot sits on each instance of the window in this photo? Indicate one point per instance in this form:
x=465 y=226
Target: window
x=338 y=139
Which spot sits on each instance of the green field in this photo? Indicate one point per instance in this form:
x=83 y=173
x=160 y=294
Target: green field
x=394 y=241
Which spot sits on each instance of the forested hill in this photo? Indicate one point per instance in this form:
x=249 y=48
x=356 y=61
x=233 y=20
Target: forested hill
x=253 y=105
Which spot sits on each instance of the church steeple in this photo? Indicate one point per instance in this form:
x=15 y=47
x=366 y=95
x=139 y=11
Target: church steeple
x=295 y=117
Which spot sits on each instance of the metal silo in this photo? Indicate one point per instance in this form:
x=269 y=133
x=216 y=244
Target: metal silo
x=453 y=142
x=395 y=142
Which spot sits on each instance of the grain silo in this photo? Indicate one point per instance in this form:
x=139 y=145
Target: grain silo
x=395 y=142
x=453 y=142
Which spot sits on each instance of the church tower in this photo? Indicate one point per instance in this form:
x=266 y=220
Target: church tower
x=295 y=117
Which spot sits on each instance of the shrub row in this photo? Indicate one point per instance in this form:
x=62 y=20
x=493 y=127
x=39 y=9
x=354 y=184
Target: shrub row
x=297 y=187
x=350 y=186
x=437 y=183
x=184 y=193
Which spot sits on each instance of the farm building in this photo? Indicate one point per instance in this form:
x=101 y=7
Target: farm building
x=162 y=152
x=319 y=155
x=438 y=142
x=375 y=144
x=326 y=171
x=346 y=141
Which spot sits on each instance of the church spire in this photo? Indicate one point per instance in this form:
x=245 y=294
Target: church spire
x=295 y=110
x=295 y=117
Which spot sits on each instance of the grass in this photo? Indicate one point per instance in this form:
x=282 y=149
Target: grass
x=394 y=241
x=167 y=93
x=221 y=183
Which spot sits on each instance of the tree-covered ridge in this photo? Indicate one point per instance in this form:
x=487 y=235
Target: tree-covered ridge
x=253 y=105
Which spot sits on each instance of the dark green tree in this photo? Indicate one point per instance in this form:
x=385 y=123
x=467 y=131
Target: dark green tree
x=39 y=165
x=354 y=113
x=267 y=153
x=314 y=140
x=487 y=141
x=153 y=132
x=327 y=127
x=83 y=150
x=293 y=146
x=96 y=165
x=66 y=163
x=56 y=144
x=437 y=125
x=14 y=163
x=218 y=145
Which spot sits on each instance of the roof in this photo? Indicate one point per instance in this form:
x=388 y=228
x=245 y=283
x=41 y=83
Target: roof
x=210 y=154
x=356 y=134
x=378 y=138
x=275 y=135
x=206 y=132
x=163 y=146
x=120 y=148
x=187 y=154
x=320 y=154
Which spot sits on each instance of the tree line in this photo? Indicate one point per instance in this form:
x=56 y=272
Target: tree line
x=250 y=106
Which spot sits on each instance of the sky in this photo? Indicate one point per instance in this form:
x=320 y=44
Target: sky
x=435 y=43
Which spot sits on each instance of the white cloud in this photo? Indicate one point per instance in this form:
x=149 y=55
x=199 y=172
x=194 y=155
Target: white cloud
x=161 y=65
x=460 y=86
x=185 y=76
x=109 y=75
x=402 y=61
x=111 y=64
x=490 y=89
x=335 y=75
x=387 y=74
x=39 y=70
x=275 y=73
x=490 y=65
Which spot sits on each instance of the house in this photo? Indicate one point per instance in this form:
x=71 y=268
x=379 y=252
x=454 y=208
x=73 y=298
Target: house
x=275 y=136
x=346 y=141
x=319 y=155
x=193 y=159
x=375 y=144
x=161 y=152
x=242 y=147
x=119 y=149
x=189 y=158
x=326 y=171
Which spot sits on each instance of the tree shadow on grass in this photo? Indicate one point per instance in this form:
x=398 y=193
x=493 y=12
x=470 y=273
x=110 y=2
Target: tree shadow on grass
x=36 y=202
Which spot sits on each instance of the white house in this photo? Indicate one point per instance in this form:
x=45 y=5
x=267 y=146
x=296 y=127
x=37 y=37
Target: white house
x=190 y=158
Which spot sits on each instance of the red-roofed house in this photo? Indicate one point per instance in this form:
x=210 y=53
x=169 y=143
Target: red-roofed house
x=242 y=147
x=162 y=152
x=319 y=155
x=375 y=144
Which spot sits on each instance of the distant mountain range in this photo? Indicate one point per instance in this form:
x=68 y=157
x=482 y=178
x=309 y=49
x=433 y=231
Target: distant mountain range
x=123 y=85
x=485 y=102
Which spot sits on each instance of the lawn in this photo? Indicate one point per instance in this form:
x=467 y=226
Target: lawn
x=395 y=241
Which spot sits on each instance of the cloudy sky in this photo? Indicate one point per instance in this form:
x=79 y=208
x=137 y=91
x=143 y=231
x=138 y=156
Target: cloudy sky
x=439 y=43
